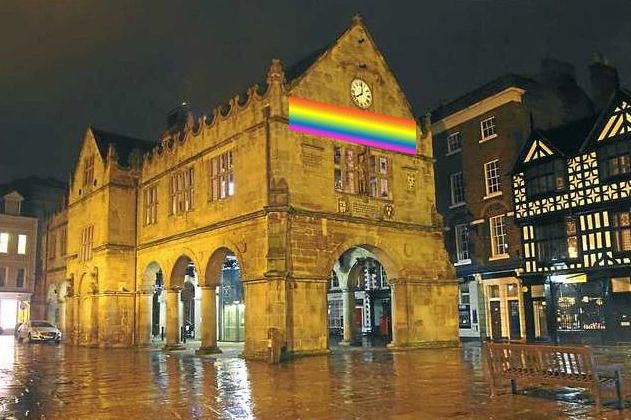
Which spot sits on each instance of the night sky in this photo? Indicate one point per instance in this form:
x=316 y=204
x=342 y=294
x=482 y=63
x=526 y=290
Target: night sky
x=122 y=65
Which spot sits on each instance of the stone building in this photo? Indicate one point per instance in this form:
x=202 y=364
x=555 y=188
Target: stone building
x=572 y=192
x=477 y=138
x=18 y=244
x=157 y=233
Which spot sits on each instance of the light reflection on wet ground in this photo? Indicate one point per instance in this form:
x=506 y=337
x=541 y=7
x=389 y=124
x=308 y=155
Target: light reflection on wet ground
x=71 y=382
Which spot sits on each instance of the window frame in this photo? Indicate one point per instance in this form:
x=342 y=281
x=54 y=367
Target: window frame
x=495 y=246
x=222 y=179
x=552 y=241
x=20 y=278
x=452 y=189
x=150 y=205
x=450 y=149
x=614 y=152
x=488 y=131
x=462 y=241
x=488 y=178
x=616 y=229
x=550 y=171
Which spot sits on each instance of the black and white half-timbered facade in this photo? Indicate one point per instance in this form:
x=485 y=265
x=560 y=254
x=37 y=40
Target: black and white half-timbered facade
x=572 y=197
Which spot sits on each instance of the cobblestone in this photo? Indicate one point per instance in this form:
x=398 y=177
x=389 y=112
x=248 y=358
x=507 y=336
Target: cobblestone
x=48 y=381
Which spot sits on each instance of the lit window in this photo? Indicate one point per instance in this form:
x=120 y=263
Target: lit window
x=487 y=128
x=499 y=236
x=545 y=178
x=456 y=182
x=454 y=143
x=4 y=242
x=492 y=177
x=21 y=244
x=462 y=243
x=221 y=176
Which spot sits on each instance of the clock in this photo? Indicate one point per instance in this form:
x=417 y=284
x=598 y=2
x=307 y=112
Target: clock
x=361 y=93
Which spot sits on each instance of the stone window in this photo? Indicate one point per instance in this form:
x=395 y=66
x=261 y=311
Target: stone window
x=499 y=236
x=221 y=176
x=21 y=244
x=4 y=243
x=462 y=243
x=19 y=278
x=151 y=205
x=336 y=314
x=492 y=177
x=487 y=129
x=3 y=276
x=88 y=170
x=85 y=253
x=52 y=240
x=456 y=184
x=454 y=143
x=379 y=177
x=182 y=191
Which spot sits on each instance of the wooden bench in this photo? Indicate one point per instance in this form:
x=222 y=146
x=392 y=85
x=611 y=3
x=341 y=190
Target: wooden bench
x=536 y=364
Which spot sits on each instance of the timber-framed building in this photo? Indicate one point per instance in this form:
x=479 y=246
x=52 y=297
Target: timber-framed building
x=572 y=193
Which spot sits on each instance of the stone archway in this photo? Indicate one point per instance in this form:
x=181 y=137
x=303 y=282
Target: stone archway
x=223 y=303
x=151 y=324
x=88 y=311
x=175 y=283
x=359 y=300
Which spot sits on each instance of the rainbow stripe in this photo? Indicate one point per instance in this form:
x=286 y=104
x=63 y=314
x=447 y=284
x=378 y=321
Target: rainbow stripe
x=352 y=125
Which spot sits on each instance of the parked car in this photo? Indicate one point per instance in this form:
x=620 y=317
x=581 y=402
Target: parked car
x=38 y=331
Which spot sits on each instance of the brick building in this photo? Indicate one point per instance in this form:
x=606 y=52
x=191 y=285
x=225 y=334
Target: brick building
x=477 y=138
x=157 y=233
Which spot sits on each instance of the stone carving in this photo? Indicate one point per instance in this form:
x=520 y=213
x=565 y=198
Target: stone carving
x=388 y=211
x=342 y=205
x=411 y=178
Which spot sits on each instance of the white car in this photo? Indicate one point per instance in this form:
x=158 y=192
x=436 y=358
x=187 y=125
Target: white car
x=38 y=331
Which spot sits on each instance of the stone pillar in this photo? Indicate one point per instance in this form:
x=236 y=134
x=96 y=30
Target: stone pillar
x=348 y=302
x=144 y=317
x=173 y=320
x=75 y=324
x=61 y=307
x=209 y=321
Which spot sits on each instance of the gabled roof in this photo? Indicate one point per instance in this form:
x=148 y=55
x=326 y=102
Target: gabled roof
x=488 y=89
x=13 y=195
x=123 y=145
x=561 y=141
x=613 y=122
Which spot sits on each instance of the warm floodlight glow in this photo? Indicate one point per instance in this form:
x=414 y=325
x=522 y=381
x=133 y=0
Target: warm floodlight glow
x=8 y=313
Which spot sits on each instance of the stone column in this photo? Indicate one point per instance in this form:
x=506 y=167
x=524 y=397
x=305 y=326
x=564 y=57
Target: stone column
x=75 y=324
x=348 y=299
x=61 y=307
x=144 y=317
x=173 y=320
x=209 y=321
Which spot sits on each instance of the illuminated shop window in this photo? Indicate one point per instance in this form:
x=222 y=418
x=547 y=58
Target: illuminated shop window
x=21 y=244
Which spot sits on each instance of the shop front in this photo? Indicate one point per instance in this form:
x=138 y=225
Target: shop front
x=579 y=308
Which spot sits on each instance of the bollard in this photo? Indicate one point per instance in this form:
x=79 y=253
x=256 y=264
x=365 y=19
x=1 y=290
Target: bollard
x=162 y=334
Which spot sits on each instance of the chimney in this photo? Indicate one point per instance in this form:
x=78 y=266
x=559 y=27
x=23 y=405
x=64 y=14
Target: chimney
x=603 y=79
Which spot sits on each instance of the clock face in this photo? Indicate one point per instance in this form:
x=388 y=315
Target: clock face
x=361 y=93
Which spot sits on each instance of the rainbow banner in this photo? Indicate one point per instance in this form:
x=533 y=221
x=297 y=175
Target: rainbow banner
x=352 y=125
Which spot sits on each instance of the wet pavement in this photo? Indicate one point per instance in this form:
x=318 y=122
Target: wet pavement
x=48 y=381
